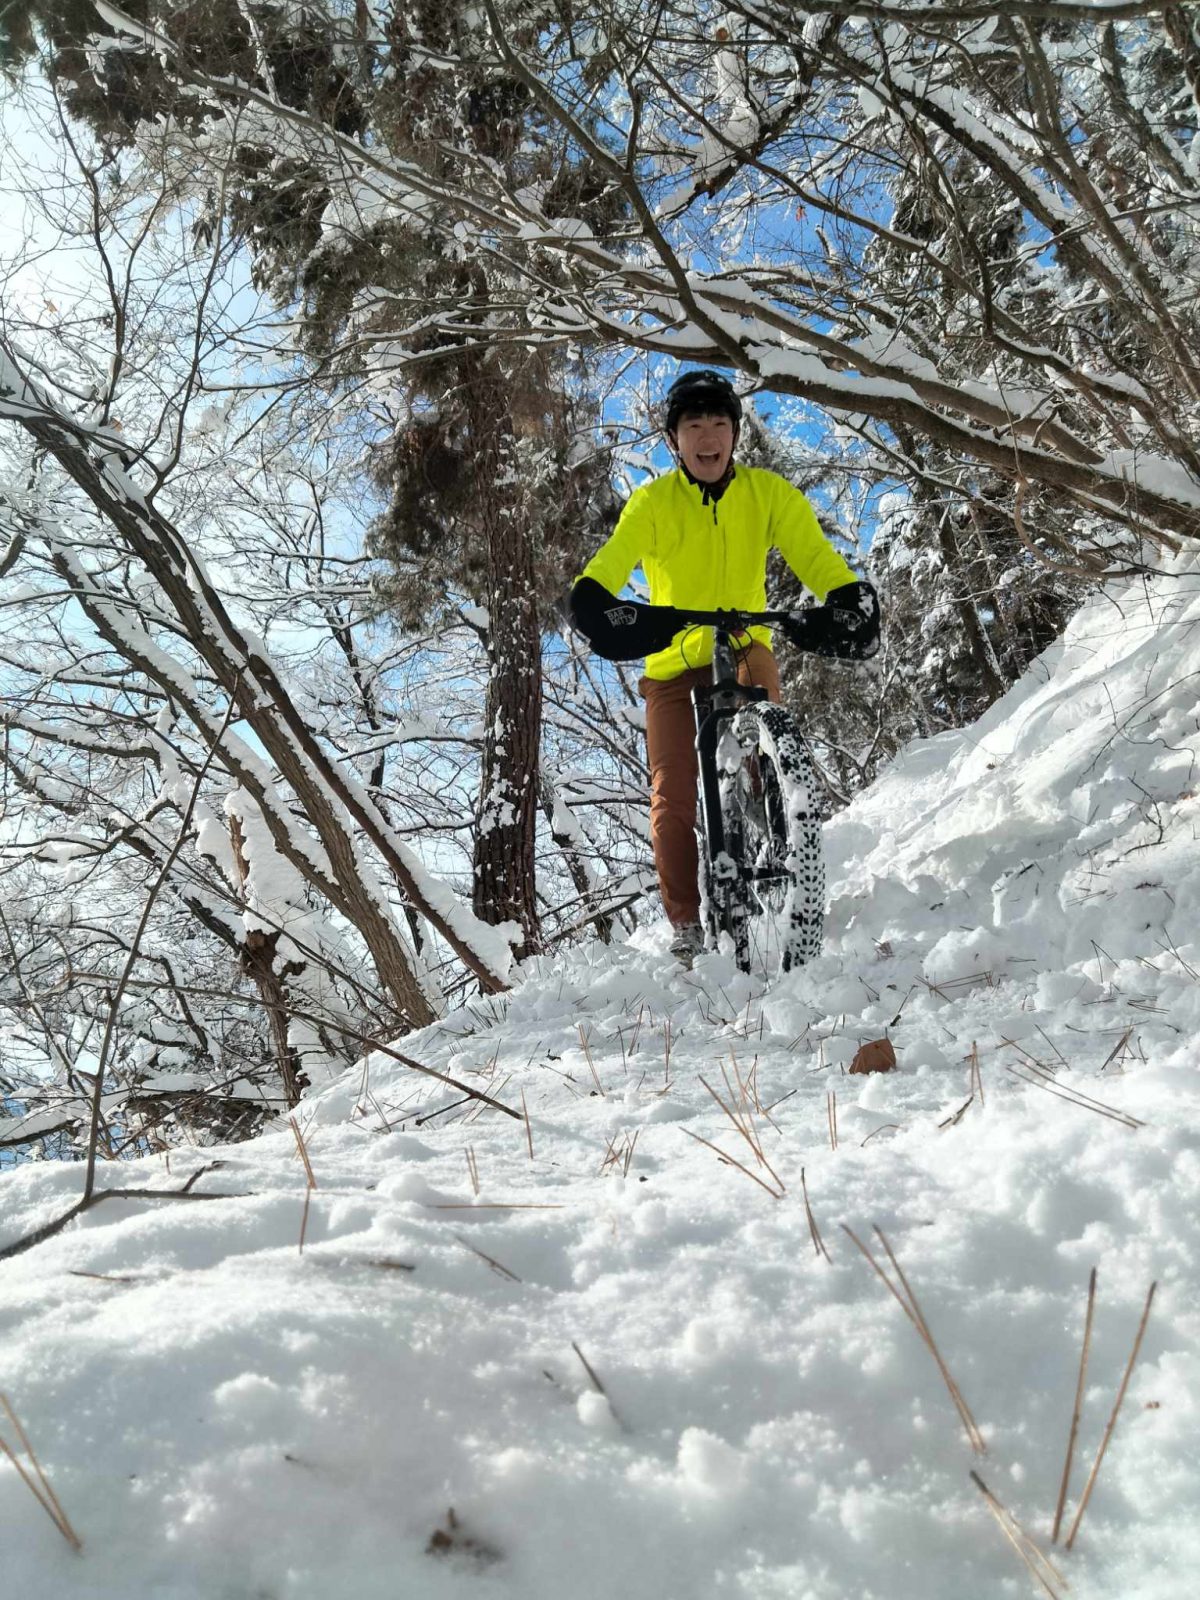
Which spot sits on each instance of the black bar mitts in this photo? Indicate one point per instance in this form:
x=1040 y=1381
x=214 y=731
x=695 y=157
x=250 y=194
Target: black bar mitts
x=846 y=627
x=616 y=629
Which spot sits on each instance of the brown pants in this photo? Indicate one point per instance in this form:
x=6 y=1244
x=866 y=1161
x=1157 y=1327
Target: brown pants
x=671 y=748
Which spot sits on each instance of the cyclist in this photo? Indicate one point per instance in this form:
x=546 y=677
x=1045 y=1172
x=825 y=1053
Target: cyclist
x=701 y=535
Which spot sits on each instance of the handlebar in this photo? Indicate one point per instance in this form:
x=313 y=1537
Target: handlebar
x=729 y=621
x=624 y=630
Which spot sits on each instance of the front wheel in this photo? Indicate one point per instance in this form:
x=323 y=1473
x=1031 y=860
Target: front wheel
x=771 y=899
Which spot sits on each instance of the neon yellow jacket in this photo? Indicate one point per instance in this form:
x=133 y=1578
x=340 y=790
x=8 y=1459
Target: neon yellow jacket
x=714 y=556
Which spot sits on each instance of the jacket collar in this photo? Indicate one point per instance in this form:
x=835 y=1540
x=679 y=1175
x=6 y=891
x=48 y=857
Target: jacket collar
x=711 y=492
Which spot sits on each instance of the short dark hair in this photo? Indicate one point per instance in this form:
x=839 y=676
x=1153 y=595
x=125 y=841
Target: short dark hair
x=702 y=392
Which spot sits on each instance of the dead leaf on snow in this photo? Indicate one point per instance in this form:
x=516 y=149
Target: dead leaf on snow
x=877 y=1056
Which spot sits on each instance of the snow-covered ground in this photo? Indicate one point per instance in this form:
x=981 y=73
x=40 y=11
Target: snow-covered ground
x=622 y=1367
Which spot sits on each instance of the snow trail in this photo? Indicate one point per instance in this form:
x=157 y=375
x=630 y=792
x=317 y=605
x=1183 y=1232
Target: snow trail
x=619 y=1365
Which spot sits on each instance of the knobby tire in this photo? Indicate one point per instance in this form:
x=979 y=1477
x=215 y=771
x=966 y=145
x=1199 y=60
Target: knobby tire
x=774 y=908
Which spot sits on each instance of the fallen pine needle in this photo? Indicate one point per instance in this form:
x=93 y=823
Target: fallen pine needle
x=776 y=1194
x=496 y=1266
x=743 y=1122
x=597 y=1385
x=303 y=1149
x=44 y=1495
x=969 y=1423
x=630 y=1147
x=1071 y=1437
x=912 y=1310
x=976 y=1073
x=528 y=1125
x=587 y=1051
x=590 y=1370
x=1043 y=1571
x=1112 y=1421
x=767 y=1110
x=1040 y=1079
x=814 y=1231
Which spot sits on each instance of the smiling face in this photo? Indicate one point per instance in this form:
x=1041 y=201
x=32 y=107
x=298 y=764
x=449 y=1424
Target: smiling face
x=703 y=441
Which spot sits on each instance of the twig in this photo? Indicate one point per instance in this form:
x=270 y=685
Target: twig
x=478 y=1111
x=428 y=1116
x=49 y=1229
x=415 y=1066
x=473 y=1168
x=967 y=980
x=110 y=1025
x=304 y=1217
x=1112 y=1421
x=599 y=1388
x=1052 y=1045
x=1083 y=1362
x=831 y=1114
x=637 y=1029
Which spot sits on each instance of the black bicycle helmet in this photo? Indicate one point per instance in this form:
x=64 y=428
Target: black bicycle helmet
x=702 y=391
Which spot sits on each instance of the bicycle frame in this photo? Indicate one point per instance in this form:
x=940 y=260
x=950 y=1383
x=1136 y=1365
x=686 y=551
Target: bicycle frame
x=713 y=706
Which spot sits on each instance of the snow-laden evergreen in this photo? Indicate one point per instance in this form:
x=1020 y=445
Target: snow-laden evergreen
x=624 y=1362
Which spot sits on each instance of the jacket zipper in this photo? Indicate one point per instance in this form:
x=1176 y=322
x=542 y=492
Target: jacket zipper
x=724 y=565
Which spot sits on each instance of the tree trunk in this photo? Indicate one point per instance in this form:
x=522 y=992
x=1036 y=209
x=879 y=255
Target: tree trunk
x=575 y=859
x=258 y=962
x=506 y=815
x=982 y=653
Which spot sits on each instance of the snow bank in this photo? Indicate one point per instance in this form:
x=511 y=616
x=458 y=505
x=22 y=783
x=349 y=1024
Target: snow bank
x=621 y=1365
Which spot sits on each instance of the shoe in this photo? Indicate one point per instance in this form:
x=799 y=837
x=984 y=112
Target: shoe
x=687 y=942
